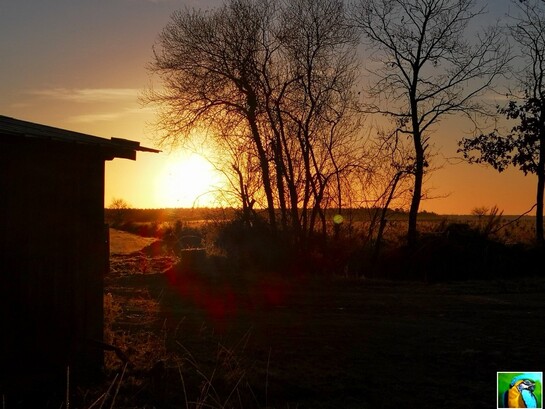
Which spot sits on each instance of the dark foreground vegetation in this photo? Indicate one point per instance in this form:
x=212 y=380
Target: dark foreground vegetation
x=220 y=314
x=483 y=246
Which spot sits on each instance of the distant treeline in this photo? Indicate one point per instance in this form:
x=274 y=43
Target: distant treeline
x=199 y=214
x=170 y=215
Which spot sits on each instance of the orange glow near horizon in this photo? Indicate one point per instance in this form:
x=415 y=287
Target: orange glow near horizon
x=182 y=179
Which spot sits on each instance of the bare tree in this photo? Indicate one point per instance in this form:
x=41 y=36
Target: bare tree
x=118 y=208
x=241 y=169
x=426 y=68
x=206 y=61
x=273 y=82
x=314 y=105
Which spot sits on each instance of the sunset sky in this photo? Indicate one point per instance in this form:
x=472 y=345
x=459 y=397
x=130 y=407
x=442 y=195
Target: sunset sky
x=80 y=65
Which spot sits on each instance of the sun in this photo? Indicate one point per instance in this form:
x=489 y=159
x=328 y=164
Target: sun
x=187 y=180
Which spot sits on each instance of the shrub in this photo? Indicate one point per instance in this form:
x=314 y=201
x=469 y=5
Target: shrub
x=254 y=246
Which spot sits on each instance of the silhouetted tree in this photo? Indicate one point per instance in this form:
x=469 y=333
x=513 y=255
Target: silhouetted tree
x=118 y=208
x=524 y=145
x=206 y=61
x=273 y=83
x=427 y=68
x=312 y=107
x=395 y=173
x=239 y=164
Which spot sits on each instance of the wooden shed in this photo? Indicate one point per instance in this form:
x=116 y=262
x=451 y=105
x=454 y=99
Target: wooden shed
x=54 y=252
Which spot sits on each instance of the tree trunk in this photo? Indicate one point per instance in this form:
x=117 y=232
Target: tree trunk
x=539 y=207
x=267 y=186
x=279 y=167
x=382 y=223
x=540 y=185
x=412 y=233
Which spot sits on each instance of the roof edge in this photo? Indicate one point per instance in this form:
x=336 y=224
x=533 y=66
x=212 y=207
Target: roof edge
x=113 y=147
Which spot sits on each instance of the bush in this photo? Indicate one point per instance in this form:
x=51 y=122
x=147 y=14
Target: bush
x=458 y=251
x=255 y=245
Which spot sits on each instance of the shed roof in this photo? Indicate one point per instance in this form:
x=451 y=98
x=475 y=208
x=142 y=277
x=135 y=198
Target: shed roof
x=111 y=148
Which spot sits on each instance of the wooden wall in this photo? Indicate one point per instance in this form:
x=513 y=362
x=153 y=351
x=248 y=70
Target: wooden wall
x=53 y=255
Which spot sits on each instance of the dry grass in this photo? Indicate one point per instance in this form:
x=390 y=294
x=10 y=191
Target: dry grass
x=156 y=374
x=125 y=243
x=161 y=368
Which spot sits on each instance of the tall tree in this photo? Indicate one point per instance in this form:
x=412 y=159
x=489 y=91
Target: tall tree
x=524 y=145
x=272 y=80
x=427 y=68
x=316 y=112
x=206 y=62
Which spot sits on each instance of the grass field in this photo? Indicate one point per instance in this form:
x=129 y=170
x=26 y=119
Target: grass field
x=264 y=341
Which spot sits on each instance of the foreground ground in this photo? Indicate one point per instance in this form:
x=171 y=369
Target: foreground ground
x=306 y=342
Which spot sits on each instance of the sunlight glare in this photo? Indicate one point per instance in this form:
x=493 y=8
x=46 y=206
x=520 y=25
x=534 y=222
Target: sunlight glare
x=187 y=180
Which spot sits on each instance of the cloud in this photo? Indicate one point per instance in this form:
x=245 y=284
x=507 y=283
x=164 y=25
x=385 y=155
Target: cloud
x=20 y=105
x=108 y=116
x=104 y=104
x=152 y=1
x=86 y=95
x=98 y=117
